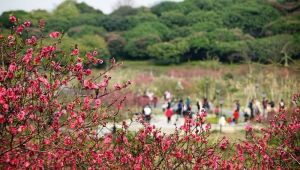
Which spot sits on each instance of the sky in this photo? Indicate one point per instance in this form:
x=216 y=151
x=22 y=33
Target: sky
x=106 y=6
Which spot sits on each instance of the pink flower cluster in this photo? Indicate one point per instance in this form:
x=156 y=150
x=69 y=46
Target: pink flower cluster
x=50 y=114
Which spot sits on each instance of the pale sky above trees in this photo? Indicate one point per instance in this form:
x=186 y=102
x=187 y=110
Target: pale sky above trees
x=106 y=6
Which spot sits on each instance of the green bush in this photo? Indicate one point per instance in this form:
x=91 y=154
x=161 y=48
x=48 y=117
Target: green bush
x=283 y=25
x=86 y=30
x=4 y=18
x=57 y=24
x=224 y=34
x=173 y=18
x=178 y=32
x=198 y=41
x=141 y=17
x=144 y=29
x=168 y=52
x=204 y=27
x=250 y=16
x=67 y=10
x=137 y=48
x=124 y=11
x=204 y=16
x=116 y=44
x=164 y=7
x=116 y=23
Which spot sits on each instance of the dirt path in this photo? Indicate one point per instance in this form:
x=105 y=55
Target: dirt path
x=160 y=122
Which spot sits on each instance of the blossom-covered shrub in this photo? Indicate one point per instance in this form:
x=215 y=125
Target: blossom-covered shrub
x=44 y=124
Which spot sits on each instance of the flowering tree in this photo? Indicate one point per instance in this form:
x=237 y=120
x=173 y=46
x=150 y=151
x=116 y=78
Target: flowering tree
x=42 y=128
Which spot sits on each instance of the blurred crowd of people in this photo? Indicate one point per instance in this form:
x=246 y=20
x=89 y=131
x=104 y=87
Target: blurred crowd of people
x=185 y=107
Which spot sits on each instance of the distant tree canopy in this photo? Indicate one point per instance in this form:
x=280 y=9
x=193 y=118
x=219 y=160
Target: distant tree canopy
x=174 y=32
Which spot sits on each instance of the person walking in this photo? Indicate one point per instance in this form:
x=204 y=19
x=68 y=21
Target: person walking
x=198 y=104
x=179 y=108
x=236 y=116
x=188 y=102
x=147 y=113
x=272 y=111
x=246 y=115
x=237 y=105
x=206 y=104
x=281 y=105
x=167 y=96
x=169 y=113
x=250 y=106
x=265 y=107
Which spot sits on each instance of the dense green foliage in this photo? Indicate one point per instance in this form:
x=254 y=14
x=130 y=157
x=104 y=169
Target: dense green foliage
x=170 y=32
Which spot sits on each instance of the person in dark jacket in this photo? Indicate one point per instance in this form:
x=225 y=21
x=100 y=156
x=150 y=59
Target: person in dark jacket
x=250 y=106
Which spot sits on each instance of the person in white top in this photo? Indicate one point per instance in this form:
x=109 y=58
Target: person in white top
x=167 y=96
x=147 y=110
x=147 y=113
x=222 y=121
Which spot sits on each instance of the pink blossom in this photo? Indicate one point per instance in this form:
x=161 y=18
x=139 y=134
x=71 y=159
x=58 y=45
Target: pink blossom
x=95 y=53
x=203 y=113
x=11 y=43
x=27 y=164
x=2 y=118
x=46 y=51
x=178 y=154
x=27 y=23
x=90 y=57
x=54 y=34
x=224 y=143
x=78 y=67
x=12 y=67
x=117 y=86
x=80 y=120
x=97 y=103
x=27 y=57
x=86 y=103
x=20 y=29
x=107 y=139
x=297 y=110
x=13 y=130
x=75 y=52
x=11 y=94
x=208 y=127
x=31 y=41
x=12 y=19
x=99 y=61
x=21 y=115
x=47 y=141
x=248 y=128
x=88 y=84
x=88 y=72
x=166 y=144
x=103 y=84
x=120 y=107
x=68 y=141
x=22 y=128
x=11 y=37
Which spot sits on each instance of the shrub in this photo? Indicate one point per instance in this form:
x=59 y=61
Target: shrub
x=137 y=48
x=168 y=53
x=144 y=29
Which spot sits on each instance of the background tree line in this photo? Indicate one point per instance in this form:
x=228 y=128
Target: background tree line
x=170 y=32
